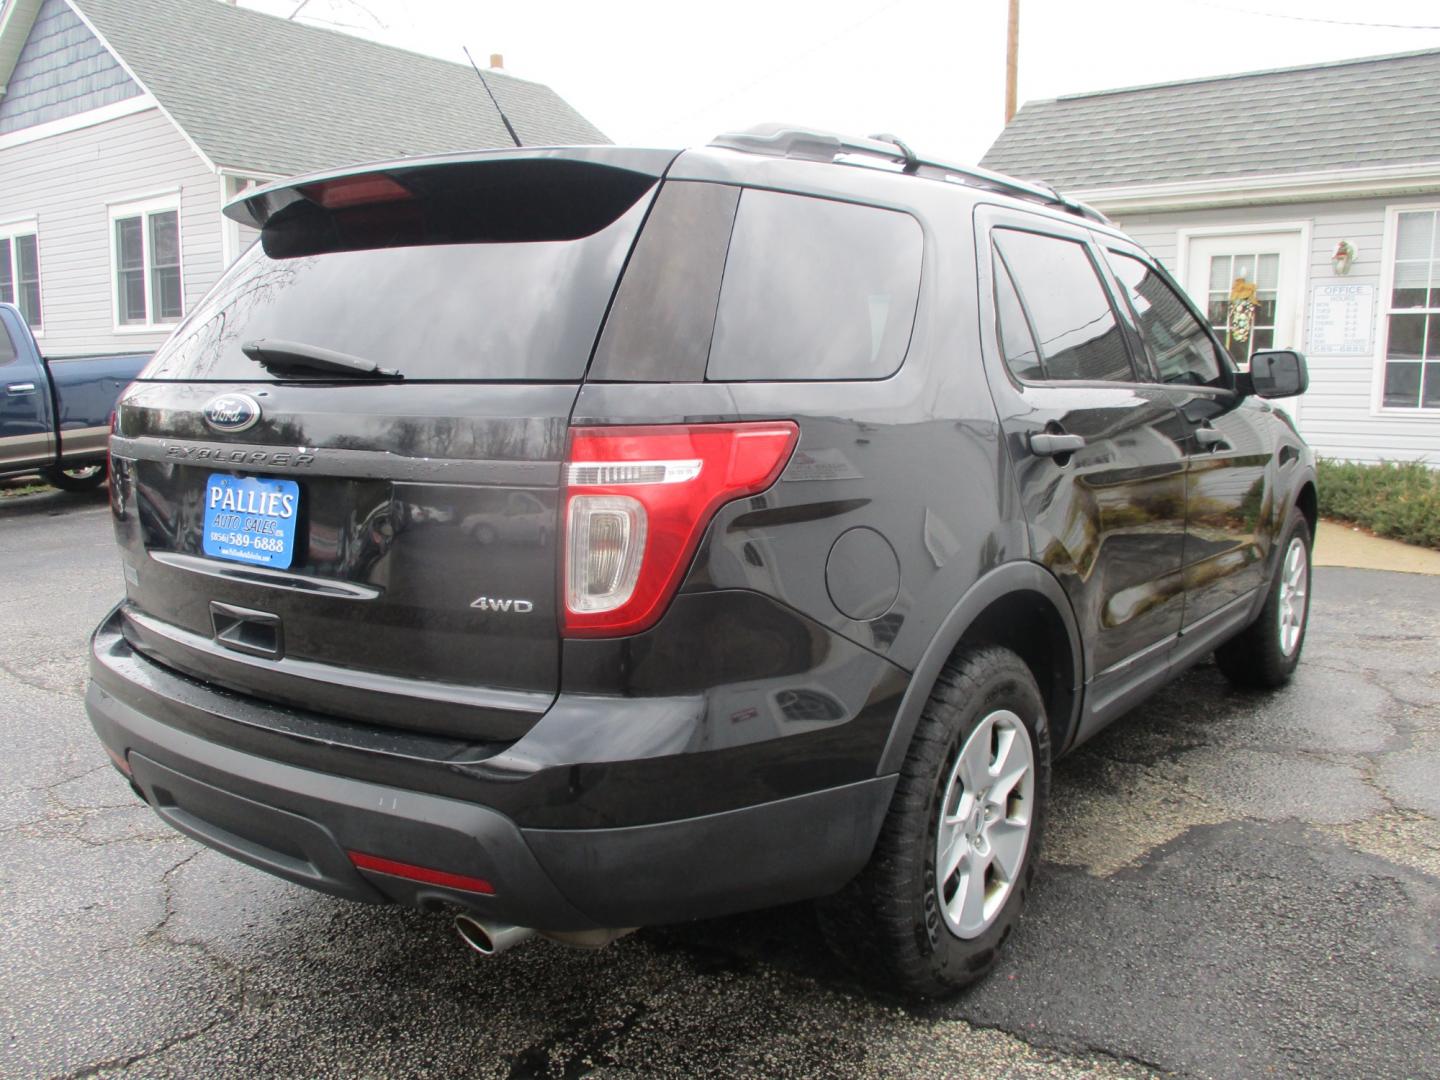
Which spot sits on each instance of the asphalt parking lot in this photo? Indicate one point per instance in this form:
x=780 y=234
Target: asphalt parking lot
x=1235 y=886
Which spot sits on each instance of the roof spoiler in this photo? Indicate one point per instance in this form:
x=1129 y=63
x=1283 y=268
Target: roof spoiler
x=803 y=144
x=392 y=180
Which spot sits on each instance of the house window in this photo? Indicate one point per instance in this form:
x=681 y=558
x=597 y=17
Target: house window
x=20 y=270
x=1412 y=331
x=148 y=287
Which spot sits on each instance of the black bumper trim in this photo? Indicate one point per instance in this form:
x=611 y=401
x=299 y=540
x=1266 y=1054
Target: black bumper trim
x=239 y=804
x=738 y=860
x=297 y=823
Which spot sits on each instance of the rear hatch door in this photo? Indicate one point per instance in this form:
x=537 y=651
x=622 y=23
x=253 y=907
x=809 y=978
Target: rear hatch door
x=337 y=485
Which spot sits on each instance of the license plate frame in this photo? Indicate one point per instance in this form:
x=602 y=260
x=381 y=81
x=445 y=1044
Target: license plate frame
x=251 y=519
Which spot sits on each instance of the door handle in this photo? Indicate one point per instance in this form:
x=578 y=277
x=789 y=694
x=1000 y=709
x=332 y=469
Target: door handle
x=18 y=388
x=1209 y=438
x=1055 y=443
x=255 y=632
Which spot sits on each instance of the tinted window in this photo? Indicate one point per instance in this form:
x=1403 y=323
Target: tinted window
x=7 y=347
x=1069 y=309
x=815 y=289
x=498 y=311
x=659 y=327
x=1179 y=345
x=1016 y=341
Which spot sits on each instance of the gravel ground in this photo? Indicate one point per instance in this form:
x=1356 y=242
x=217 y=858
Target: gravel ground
x=1235 y=886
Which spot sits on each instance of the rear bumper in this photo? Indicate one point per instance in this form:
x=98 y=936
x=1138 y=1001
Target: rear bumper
x=299 y=822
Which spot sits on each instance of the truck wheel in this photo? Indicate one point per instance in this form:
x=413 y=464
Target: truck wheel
x=1264 y=654
x=83 y=478
x=958 y=850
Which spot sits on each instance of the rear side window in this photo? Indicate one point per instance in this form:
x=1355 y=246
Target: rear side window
x=1016 y=340
x=815 y=289
x=659 y=328
x=1075 y=328
x=1179 y=345
x=7 y=347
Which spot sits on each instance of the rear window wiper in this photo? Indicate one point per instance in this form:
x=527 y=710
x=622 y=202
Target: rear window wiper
x=283 y=357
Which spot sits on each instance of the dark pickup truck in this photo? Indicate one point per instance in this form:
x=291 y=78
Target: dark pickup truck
x=55 y=414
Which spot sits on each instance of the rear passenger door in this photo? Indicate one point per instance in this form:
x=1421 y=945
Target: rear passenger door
x=25 y=430
x=1096 y=446
x=1227 y=490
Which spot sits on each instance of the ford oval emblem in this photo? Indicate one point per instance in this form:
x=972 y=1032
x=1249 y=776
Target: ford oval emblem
x=232 y=412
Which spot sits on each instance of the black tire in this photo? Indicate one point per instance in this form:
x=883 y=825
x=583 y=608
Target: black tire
x=84 y=478
x=886 y=924
x=1256 y=657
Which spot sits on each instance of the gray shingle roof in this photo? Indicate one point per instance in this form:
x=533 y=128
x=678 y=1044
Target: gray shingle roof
x=1355 y=113
x=258 y=92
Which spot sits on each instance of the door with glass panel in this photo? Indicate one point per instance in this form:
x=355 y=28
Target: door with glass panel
x=1412 y=319
x=1248 y=287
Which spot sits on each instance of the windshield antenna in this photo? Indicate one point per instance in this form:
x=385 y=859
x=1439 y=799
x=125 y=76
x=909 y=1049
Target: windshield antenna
x=503 y=118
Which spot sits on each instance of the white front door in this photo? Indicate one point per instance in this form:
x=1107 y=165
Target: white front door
x=1249 y=285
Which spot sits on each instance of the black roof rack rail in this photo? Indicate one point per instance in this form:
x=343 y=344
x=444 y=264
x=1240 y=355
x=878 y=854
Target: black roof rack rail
x=778 y=140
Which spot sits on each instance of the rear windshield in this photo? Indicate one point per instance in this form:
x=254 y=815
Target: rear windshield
x=451 y=311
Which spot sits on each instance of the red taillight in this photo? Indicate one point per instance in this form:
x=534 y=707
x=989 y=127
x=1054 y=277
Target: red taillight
x=110 y=458
x=409 y=871
x=356 y=191
x=638 y=500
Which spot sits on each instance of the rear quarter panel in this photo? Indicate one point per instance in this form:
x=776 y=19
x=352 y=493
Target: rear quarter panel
x=917 y=458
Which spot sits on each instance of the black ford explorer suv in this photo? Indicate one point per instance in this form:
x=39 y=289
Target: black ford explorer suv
x=579 y=539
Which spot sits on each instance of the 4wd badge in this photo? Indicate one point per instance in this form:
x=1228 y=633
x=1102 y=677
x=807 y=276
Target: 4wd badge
x=491 y=603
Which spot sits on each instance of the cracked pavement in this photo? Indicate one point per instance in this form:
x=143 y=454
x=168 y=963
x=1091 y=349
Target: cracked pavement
x=1234 y=885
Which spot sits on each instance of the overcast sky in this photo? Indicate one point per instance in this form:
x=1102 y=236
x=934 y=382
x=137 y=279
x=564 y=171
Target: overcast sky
x=673 y=74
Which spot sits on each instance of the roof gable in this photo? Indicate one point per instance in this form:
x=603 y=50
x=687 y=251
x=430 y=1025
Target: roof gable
x=60 y=69
x=1376 y=111
x=261 y=94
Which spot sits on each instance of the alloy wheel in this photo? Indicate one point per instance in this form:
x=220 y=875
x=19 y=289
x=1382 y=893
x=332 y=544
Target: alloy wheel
x=1294 y=595
x=985 y=820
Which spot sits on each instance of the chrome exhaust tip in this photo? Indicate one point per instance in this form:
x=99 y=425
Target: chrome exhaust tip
x=490 y=938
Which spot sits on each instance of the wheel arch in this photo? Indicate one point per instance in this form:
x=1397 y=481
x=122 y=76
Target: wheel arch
x=1307 y=501
x=1004 y=608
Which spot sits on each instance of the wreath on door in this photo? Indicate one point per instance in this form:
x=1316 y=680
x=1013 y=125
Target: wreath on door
x=1241 y=318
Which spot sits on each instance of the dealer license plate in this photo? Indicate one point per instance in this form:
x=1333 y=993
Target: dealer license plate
x=250 y=519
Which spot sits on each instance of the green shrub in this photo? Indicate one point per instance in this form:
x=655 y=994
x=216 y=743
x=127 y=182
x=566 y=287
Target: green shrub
x=1400 y=500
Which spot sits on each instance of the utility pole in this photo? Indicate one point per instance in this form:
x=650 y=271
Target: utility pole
x=1012 y=59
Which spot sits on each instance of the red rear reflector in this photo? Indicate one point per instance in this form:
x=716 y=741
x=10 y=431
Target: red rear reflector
x=119 y=760
x=638 y=499
x=376 y=864
x=356 y=191
x=110 y=455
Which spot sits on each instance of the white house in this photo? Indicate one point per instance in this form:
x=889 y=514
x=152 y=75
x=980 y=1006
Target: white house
x=1248 y=187
x=125 y=125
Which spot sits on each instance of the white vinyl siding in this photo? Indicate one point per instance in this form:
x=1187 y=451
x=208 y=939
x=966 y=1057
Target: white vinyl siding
x=1341 y=414
x=68 y=183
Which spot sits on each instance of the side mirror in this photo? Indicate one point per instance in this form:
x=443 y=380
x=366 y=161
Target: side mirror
x=1278 y=373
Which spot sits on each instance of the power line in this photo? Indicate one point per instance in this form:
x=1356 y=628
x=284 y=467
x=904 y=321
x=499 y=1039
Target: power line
x=1310 y=18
